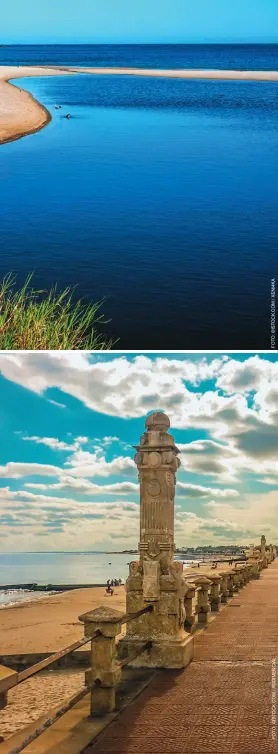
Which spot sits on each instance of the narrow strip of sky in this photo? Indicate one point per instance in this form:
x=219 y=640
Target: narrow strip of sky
x=142 y=21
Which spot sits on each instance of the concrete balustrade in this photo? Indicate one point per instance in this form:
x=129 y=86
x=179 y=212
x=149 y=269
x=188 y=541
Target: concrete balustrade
x=104 y=672
x=8 y=679
x=190 y=615
x=203 y=605
x=234 y=584
x=214 y=594
x=240 y=577
x=224 y=590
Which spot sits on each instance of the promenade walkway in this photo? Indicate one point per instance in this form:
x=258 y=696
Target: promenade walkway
x=222 y=702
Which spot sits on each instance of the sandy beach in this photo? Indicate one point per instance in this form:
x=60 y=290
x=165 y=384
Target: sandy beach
x=51 y=623
x=21 y=114
x=47 y=625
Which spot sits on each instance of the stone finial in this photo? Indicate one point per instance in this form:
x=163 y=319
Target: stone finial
x=158 y=421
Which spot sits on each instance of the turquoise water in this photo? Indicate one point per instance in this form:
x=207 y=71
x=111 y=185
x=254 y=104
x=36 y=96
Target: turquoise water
x=159 y=194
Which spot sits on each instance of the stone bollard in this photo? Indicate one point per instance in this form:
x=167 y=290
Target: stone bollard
x=214 y=596
x=224 y=590
x=203 y=606
x=105 y=671
x=190 y=615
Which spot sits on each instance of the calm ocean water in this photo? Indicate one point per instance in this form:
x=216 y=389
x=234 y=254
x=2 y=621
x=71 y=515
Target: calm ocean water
x=159 y=194
x=58 y=568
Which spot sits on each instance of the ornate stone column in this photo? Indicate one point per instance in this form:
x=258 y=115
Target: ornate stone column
x=155 y=578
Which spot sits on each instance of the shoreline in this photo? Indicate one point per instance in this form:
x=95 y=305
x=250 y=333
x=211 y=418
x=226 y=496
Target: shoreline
x=22 y=115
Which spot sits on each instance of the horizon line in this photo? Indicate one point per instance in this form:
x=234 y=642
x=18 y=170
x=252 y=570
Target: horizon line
x=132 y=44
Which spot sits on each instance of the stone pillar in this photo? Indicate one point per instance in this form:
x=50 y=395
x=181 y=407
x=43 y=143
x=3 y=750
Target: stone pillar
x=203 y=605
x=156 y=578
x=214 y=596
x=232 y=584
x=189 y=623
x=104 y=671
x=8 y=679
x=224 y=590
x=240 y=577
x=246 y=574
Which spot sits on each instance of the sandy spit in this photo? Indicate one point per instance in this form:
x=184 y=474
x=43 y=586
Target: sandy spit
x=21 y=114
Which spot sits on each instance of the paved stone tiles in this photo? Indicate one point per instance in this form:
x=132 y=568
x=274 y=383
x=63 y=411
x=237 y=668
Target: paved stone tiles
x=221 y=703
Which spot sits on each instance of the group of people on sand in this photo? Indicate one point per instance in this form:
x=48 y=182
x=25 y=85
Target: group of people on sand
x=111 y=584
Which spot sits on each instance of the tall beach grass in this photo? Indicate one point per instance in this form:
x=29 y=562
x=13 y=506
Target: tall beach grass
x=42 y=320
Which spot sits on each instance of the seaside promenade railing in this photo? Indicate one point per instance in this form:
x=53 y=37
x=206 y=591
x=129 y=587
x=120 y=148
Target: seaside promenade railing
x=101 y=628
x=204 y=595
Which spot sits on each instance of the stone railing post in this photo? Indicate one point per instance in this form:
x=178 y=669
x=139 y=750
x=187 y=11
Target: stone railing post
x=245 y=574
x=156 y=579
x=224 y=590
x=8 y=679
x=104 y=672
x=203 y=605
x=249 y=571
x=256 y=569
x=190 y=615
x=240 y=577
x=232 y=582
x=214 y=596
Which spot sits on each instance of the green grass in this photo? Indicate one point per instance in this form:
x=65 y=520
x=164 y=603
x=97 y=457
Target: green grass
x=42 y=320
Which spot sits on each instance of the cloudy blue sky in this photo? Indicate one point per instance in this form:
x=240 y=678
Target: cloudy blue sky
x=68 y=424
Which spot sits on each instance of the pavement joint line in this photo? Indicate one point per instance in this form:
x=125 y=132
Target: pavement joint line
x=264 y=663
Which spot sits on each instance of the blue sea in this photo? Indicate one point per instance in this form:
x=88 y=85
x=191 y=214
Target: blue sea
x=158 y=194
x=45 y=568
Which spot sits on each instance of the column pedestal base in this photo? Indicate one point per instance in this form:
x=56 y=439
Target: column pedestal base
x=165 y=653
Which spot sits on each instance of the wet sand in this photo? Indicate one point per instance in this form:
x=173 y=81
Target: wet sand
x=21 y=114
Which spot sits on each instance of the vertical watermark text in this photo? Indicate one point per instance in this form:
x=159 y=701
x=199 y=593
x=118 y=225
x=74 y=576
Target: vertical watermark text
x=273 y=701
x=272 y=314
